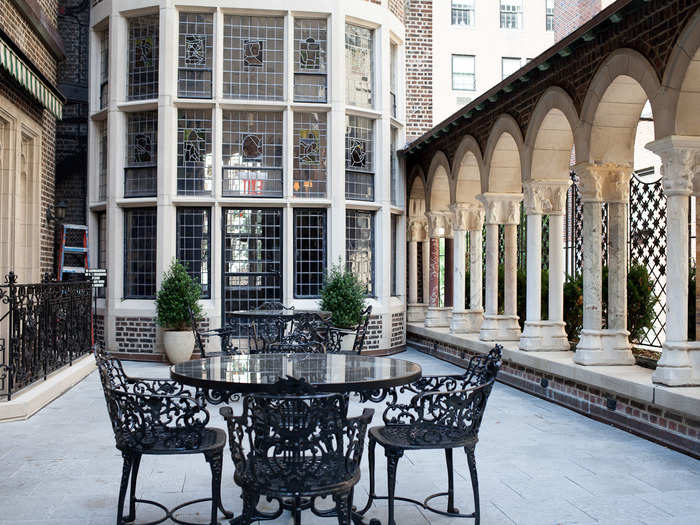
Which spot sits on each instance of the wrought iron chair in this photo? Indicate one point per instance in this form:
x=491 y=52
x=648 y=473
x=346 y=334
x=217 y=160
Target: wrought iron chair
x=273 y=305
x=294 y=446
x=226 y=334
x=335 y=338
x=158 y=417
x=309 y=333
x=445 y=412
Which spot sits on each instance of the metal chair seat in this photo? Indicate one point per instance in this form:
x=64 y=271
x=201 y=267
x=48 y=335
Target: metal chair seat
x=174 y=441
x=421 y=436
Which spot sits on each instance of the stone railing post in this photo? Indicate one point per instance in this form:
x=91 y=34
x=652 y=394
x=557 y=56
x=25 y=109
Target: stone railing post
x=466 y=218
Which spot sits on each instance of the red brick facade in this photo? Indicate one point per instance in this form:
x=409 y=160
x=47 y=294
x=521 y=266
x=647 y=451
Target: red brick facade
x=571 y=14
x=419 y=67
x=397 y=7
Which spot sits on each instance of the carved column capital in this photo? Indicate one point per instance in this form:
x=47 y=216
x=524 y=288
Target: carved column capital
x=439 y=224
x=467 y=217
x=545 y=197
x=417 y=229
x=501 y=208
x=607 y=182
x=679 y=165
x=589 y=182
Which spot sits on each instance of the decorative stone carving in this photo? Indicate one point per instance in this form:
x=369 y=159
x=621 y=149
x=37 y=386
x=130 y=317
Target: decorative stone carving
x=679 y=165
x=501 y=208
x=616 y=183
x=545 y=197
x=589 y=182
x=417 y=229
x=467 y=217
x=439 y=224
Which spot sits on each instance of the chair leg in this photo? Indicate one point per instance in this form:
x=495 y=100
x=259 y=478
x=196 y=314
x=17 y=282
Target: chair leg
x=343 y=506
x=126 y=472
x=471 y=460
x=132 y=497
x=450 y=482
x=372 y=488
x=392 y=461
x=215 y=460
x=248 y=514
x=297 y=511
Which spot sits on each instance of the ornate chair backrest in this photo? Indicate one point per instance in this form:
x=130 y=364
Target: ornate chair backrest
x=295 y=433
x=195 y=330
x=273 y=305
x=452 y=403
x=361 y=332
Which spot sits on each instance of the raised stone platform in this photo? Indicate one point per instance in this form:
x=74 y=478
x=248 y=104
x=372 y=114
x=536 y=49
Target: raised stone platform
x=624 y=396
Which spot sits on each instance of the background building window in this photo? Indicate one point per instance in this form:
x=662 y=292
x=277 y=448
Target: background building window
x=143 y=57
x=102 y=181
x=104 y=69
x=511 y=14
x=193 y=242
x=310 y=60
x=196 y=52
x=463 y=13
x=359 y=75
x=252 y=154
x=463 y=73
x=253 y=57
x=359 y=246
x=141 y=154
x=140 y=253
x=509 y=65
x=359 y=158
x=550 y=15
x=310 y=151
x=309 y=251
x=194 y=159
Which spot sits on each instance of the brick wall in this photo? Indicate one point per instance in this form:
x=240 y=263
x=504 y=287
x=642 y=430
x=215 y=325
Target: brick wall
x=374 y=333
x=136 y=335
x=99 y=327
x=397 y=7
x=571 y=14
x=679 y=431
x=398 y=329
x=419 y=67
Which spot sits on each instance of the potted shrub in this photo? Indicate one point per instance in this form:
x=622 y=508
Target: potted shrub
x=177 y=297
x=344 y=297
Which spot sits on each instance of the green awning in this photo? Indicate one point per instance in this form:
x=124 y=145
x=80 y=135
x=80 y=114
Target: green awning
x=25 y=76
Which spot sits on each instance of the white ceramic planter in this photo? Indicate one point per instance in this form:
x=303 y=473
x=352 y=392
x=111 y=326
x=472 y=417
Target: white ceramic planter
x=347 y=342
x=178 y=345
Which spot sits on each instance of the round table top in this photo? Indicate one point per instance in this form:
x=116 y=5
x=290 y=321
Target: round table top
x=278 y=313
x=326 y=372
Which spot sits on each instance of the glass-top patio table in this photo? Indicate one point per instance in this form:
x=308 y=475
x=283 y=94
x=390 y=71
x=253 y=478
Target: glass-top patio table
x=326 y=372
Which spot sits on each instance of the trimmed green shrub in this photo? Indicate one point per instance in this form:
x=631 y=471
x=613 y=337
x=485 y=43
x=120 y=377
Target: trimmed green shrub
x=573 y=306
x=178 y=291
x=343 y=296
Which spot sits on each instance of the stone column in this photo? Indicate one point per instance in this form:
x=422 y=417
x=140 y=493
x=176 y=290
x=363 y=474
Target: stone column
x=425 y=253
x=618 y=198
x=599 y=183
x=680 y=359
x=545 y=197
x=466 y=218
x=417 y=232
x=439 y=226
x=449 y=273
x=501 y=208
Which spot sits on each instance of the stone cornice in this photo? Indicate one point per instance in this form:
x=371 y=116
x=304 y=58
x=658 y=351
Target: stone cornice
x=439 y=224
x=501 y=208
x=545 y=197
x=417 y=229
x=678 y=155
x=467 y=217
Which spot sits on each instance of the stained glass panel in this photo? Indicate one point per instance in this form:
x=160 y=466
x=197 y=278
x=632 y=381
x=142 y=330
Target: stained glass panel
x=310 y=150
x=143 y=58
x=196 y=51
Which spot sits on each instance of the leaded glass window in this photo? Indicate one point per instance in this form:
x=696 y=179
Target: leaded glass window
x=359 y=77
x=102 y=183
x=196 y=52
x=309 y=251
x=252 y=154
x=254 y=57
x=193 y=245
x=140 y=253
x=511 y=14
x=393 y=78
x=310 y=60
x=310 y=151
x=394 y=168
x=143 y=58
x=194 y=157
x=359 y=246
x=141 y=154
x=359 y=158
x=104 y=69
x=394 y=242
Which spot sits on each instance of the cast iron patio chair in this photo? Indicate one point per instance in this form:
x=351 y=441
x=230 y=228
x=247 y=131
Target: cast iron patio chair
x=445 y=412
x=335 y=337
x=294 y=446
x=159 y=417
x=225 y=333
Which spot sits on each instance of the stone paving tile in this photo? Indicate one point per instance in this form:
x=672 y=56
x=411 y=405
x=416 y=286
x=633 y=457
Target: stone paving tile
x=538 y=464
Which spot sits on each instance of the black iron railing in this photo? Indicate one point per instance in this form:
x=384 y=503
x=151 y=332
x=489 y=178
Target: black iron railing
x=43 y=327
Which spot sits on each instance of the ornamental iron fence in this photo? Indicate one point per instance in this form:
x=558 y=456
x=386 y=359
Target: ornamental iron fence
x=43 y=327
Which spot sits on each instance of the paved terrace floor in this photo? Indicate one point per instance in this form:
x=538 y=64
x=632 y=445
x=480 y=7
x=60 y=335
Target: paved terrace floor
x=538 y=464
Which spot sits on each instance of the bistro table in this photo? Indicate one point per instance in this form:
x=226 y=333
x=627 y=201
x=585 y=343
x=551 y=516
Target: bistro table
x=338 y=373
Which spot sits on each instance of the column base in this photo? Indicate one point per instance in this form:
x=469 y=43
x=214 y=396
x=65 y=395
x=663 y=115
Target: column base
x=499 y=328
x=604 y=347
x=544 y=336
x=415 y=313
x=679 y=364
x=436 y=317
x=467 y=322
